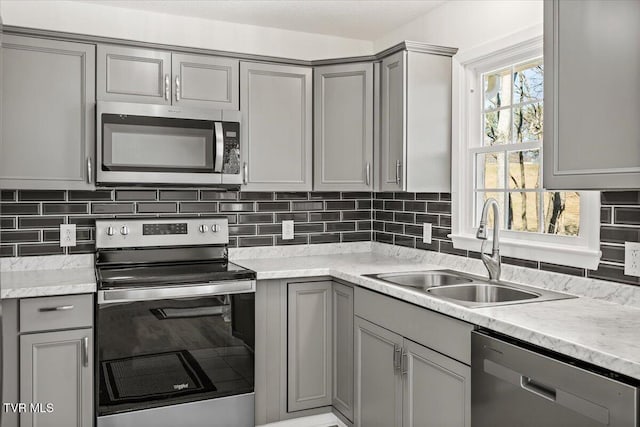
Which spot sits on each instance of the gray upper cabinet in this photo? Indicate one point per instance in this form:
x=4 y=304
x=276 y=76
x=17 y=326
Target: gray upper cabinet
x=592 y=94
x=343 y=127
x=57 y=368
x=205 y=81
x=129 y=74
x=48 y=108
x=415 y=137
x=378 y=396
x=437 y=389
x=276 y=137
x=309 y=345
x=342 y=378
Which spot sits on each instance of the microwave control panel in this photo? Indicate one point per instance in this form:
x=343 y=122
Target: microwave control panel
x=231 y=157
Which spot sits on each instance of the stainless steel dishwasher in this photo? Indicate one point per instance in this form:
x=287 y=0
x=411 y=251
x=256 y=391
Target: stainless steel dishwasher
x=514 y=386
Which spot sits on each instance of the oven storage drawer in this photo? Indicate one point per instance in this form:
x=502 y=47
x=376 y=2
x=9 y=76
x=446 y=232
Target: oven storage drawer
x=60 y=312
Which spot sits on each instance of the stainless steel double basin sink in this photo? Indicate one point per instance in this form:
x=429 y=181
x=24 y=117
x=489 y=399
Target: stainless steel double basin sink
x=468 y=290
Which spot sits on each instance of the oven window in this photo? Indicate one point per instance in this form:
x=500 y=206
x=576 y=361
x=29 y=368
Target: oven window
x=156 y=353
x=147 y=144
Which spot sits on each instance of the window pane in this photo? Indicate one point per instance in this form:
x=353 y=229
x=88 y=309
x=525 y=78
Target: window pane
x=524 y=169
x=490 y=170
x=528 y=122
x=497 y=89
x=483 y=196
x=562 y=213
x=497 y=127
x=528 y=81
x=523 y=211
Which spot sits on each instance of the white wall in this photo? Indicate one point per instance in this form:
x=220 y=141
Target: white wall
x=467 y=23
x=92 y=19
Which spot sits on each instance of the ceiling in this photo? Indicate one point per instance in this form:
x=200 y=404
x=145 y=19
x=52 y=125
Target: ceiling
x=357 y=19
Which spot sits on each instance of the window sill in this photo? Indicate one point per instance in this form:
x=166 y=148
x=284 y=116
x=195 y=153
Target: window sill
x=535 y=251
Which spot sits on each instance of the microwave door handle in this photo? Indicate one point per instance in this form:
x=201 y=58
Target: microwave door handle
x=217 y=167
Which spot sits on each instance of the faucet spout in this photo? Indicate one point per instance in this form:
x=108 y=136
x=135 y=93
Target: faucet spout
x=492 y=263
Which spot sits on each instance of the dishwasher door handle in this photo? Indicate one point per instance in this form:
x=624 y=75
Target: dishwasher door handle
x=537 y=388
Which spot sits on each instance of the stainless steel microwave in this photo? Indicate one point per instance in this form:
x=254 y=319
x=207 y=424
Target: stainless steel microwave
x=161 y=144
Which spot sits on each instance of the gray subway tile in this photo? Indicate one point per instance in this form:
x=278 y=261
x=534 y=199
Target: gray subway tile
x=270 y=229
x=114 y=208
x=40 y=249
x=136 y=195
x=218 y=195
x=620 y=197
x=605 y=215
x=563 y=269
x=393 y=205
x=157 y=207
x=255 y=218
x=356 y=215
x=82 y=248
x=356 y=195
x=301 y=239
x=273 y=206
x=255 y=241
x=404 y=196
x=340 y=226
x=391 y=227
x=186 y=195
x=198 y=207
x=340 y=205
x=41 y=195
x=7 y=223
x=292 y=216
x=358 y=236
x=427 y=196
x=627 y=215
x=324 y=216
x=324 y=195
x=364 y=225
x=430 y=218
x=7 y=195
x=409 y=242
x=324 y=238
x=612 y=253
x=619 y=234
x=20 y=236
x=7 y=251
x=40 y=221
x=236 y=207
x=292 y=195
x=242 y=230
x=415 y=206
x=19 y=208
x=383 y=237
x=309 y=228
x=307 y=206
x=84 y=195
x=439 y=207
x=65 y=208
x=256 y=195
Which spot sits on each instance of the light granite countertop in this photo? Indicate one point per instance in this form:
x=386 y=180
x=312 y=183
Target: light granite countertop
x=600 y=327
x=588 y=329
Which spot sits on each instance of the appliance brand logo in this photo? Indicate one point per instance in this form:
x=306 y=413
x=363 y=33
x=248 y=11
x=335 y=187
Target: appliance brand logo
x=180 y=386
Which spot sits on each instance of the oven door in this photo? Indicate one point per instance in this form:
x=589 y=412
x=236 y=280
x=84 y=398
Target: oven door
x=158 y=144
x=180 y=348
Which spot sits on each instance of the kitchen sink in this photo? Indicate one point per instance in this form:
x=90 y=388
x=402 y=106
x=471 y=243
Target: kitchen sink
x=424 y=279
x=468 y=290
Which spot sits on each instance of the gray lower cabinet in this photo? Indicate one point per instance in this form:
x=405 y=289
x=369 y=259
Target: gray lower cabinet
x=411 y=365
x=343 y=127
x=415 y=133
x=342 y=328
x=48 y=114
x=592 y=95
x=378 y=393
x=276 y=135
x=57 y=368
x=309 y=345
x=129 y=74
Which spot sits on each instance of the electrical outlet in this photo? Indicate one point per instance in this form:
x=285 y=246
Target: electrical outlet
x=287 y=230
x=67 y=235
x=632 y=259
x=426 y=232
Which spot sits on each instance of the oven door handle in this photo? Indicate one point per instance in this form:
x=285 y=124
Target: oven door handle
x=113 y=296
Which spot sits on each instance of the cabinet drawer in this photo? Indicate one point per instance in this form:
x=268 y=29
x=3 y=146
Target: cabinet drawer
x=49 y=313
x=451 y=337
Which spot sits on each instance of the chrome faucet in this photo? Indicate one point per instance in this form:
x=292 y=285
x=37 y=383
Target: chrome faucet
x=491 y=262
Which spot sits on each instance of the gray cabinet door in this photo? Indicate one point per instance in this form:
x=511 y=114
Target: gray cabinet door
x=378 y=397
x=276 y=105
x=393 y=123
x=48 y=114
x=205 y=81
x=343 y=127
x=130 y=74
x=437 y=389
x=56 y=368
x=309 y=345
x=592 y=95
x=342 y=325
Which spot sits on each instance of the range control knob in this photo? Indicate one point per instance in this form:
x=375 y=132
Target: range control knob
x=124 y=230
x=203 y=228
x=215 y=228
x=111 y=231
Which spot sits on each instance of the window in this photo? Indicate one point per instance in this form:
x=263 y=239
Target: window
x=499 y=109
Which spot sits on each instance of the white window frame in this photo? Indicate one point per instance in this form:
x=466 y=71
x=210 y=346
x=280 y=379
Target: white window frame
x=577 y=251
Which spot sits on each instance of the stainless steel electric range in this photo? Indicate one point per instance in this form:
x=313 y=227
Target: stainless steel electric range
x=175 y=325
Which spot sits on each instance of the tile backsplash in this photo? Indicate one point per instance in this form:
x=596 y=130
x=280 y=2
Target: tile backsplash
x=398 y=219
x=30 y=219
